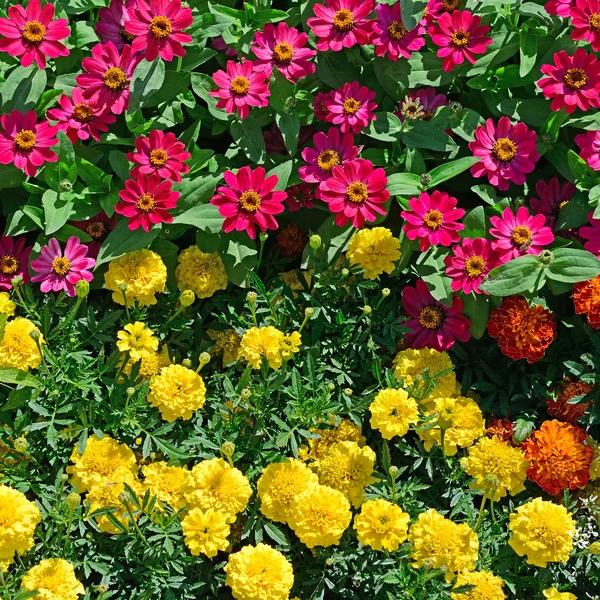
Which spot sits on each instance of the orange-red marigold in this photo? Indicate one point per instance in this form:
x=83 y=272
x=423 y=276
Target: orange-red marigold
x=586 y=297
x=502 y=428
x=291 y=241
x=560 y=407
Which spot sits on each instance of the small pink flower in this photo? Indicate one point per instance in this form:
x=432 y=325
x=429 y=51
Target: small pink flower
x=109 y=73
x=561 y=8
x=58 y=271
x=79 y=118
x=341 y=24
x=32 y=34
x=591 y=233
x=111 y=23
x=25 y=142
x=283 y=47
x=240 y=87
x=519 y=235
x=459 y=36
x=320 y=105
x=507 y=152
x=146 y=201
x=97 y=228
x=469 y=264
x=300 y=196
x=585 y=18
x=552 y=197
x=159 y=153
x=248 y=200
x=218 y=43
x=351 y=107
x=589 y=142
x=433 y=324
x=391 y=37
x=355 y=192
x=14 y=260
x=433 y=220
x=434 y=9
x=429 y=101
x=158 y=26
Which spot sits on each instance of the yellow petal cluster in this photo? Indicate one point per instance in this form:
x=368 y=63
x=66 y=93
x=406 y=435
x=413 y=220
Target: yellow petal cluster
x=18 y=519
x=268 y=342
x=7 y=306
x=17 y=348
x=205 y=531
x=487 y=586
x=137 y=339
x=346 y=431
x=553 y=594
x=381 y=525
x=166 y=482
x=113 y=495
x=374 y=250
x=393 y=412
x=53 y=579
x=200 y=272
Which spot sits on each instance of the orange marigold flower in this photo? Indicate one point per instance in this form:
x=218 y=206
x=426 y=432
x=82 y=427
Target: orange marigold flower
x=561 y=409
x=502 y=428
x=586 y=297
x=559 y=457
x=523 y=331
x=291 y=241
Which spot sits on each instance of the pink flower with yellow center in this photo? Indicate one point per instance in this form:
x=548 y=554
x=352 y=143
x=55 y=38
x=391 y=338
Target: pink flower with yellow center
x=560 y=8
x=391 y=37
x=14 y=260
x=585 y=19
x=552 y=198
x=351 y=107
x=111 y=23
x=589 y=143
x=469 y=264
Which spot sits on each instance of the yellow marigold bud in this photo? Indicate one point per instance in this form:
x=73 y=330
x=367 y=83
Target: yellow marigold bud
x=123 y=499
x=138 y=441
x=315 y=241
x=594 y=548
x=445 y=419
x=329 y=562
x=228 y=448
x=73 y=500
x=186 y=362
x=187 y=298
x=393 y=470
x=347 y=392
x=331 y=386
x=385 y=292
x=204 y=358
x=82 y=288
x=245 y=393
x=21 y=444
x=345 y=272
x=367 y=310
x=102 y=588
x=251 y=297
x=130 y=391
x=309 y=311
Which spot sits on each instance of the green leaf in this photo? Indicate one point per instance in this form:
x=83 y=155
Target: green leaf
x=283 y=172
x=271 y=15
x=10 y=176
x=122 y=240
x=18 y=377
x=57 y=209
x=22 y=89
x=281 y=90
x=205 y=217
x=194 y=191
x=574 y=213
x=477 y=308
x=571 y=265
x=421 y=134
x=527 y=51
x=523 y=274
x=385 y=128
x=584 y=176
x=503 y=77
x=404 y=184
x=474 y=223
x=534 y=112
x=65 y=168
x=118 y=161
x=411 y=12
x=289 y=125
x=175 y=82
x=335 y=70
x=451 y=169
x=248 y=136
x=147 y=79
x=239 y=255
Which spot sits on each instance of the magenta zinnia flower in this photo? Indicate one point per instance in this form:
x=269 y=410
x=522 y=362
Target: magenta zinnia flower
x=355 y=192
x=32 y=34
x=241 y=86
x=351 y=107
x=111 y=23
x=433 y=219
x=519 y=235
x=97 y=228
x=433 y=324
x=585 y=18
x=159 y=153
x=469 y=264
x=552 y=197
x=507 y=152
x=25 y=142
x=589 y=142
x=14 y=259
x=146 y=201
x=572 y=82
x=320 y=105
x=300 y=196
x=591 y=233
x=341 y=24
x=429 y=102
x=459 y=35
x=283 y=47
x=158 y=28
x=391 y=37
x=106 y=82
x=561 y=8
x=58 y=271
x=248 y=200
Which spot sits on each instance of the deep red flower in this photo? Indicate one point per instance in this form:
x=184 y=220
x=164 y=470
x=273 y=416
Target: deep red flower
x=562 y=406
x=97 y=228
x=320 y=105
x=14 y=260
x=552 y=198
x=589 y=142
x=585 y=18
x=291 y=241
x=561 y=8
x=300 y=196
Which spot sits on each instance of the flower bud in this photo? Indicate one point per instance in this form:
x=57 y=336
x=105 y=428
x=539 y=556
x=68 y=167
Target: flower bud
x=393 y=470
x=245 y=393
x=428 y=564
x=425 y=179
x=546 y=257
x=519 y=201
x=444 y=568
x=138 y=441
x=347 y=392
x=166 y=232
x=309 y=311
x=491 y=481
x=204 y=358
x=187 y=363
x=73 y=500
x=251 y=297
x=82 y=288
x=329 y=562
x=16 y=281
x=367 y=310
x=302 y=451
x=103 y=588
x=263 y=236
x=35 y=335
x=21 y=444
x=545 y=138
x=64 y=477
x=65 y=185
x=123 y=287
x=345 y=272
x=187 y=298
x=228 y=448
x=594 y=548
x=445 y=419
x=385 y=292
x=455 y=107
x=315 y=241
x=123 y=499
x=331 y=386
x=130 y=391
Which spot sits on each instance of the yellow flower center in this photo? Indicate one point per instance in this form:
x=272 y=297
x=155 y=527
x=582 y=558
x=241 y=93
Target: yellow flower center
x=384 y=519
x=521 y=235
x=556 y=208
x=25 y=139
x=240 y=86
x=249 y=201
x=504 y=150
x=158 y=157
x=83 y=112
x=357 y=192
x=283 y=54
x=431 y=317
x=460 y=38
x=351 y=106
x=160 y=27
x=115 y=78
x=96 y=229
x=575 y=78
x=343 y=20
x=396 y=30
x=61 y=265
x=433 y=219
x=594 y=21
x=328 y=159
x=34 y=32
x=146 y=203
x=475 y=265
x=9 y=264
x=128 y=37
x=450 y=5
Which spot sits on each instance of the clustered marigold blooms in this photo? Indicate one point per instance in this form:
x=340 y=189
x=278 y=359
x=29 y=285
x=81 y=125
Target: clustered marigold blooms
x=381 y=525
x=374 y=250
x=53 y=579
x=561 y=407
x=586 y=298
x=202 y=272
x=487 y=586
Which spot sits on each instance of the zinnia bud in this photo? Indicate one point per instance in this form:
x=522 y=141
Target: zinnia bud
x=187 y=298
x=315 y=241
x=16 y=281
x=263 y=236
x=65 y=185
x=251 y=297
x=82 y=288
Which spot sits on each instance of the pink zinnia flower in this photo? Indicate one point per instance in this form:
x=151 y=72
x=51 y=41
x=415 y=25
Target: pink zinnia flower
x=146 y=201
x=469 y=264
x=561 y=8
x=58 y=271
x=158 y=26
x=433 y=219
x=585 y=18
x=589 y=142
x=459 y=36
x=591 y=233
x=573 y=81
x=519 y=235
x=111 y=23
x=79 y=118
x=507 y=152
x=97 y=228
x=552 y=197
x=351 y=107
x=283 y=47
x=391 y=37
x=240 y=87
x=14 y=260
x=218 y=43
x=106 y=82
x=300 y=196
x=433 y=324
x=248 y=200
x=32 y=34
x=341 y=24
x=429 y=102
x=160 y=153
x=25 y=142
x=355 y=192
x=320 y=105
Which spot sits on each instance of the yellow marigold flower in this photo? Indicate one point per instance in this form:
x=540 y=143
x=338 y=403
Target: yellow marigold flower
x=103 y=460
x=487 y=586
x=393 y=412
x=18 y=519
x=109 y=495
x=142 y=272
x=319 y=516
x=227 y=343
x=374 y=250
x=177 y=392
x=215 y=484
x=290 y=344
x=166 y=482
x=150 y=363
x=17 y=348
x=200 y=272
x=262 y=341
x=595 y=466
x=346 y=431
x=553 y=594
x=441 y=542
x=53 y=579
x=137 y=339
x=542 y=531
x=205 y=532
x=279 y=486
x=381 y=524
x=291 y=279
x=508 y=465
x=7 y=306
x=259 y=573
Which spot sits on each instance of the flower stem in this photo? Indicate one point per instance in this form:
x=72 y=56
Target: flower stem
x=481 y=507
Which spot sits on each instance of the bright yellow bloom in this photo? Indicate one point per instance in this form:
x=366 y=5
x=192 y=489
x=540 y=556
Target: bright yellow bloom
x=381 y=524
x=542 y=531
x=110 y=495
x=137 y=339
x=7 y=306
x=259 y=573
x=227 y=343
x=150 y=363
x=53 y=579
x=374 y=250
x=142 y=271
x=262 y=341
x=205 y=532
x=487 y=586
x=200 y=272
x=595 y=466
x=346 y=431
x=393 y=412
x=177 y=392
x=290 y=344
x=166 y=482
x=18 y=519
x=17 y=348
x=553 y=594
